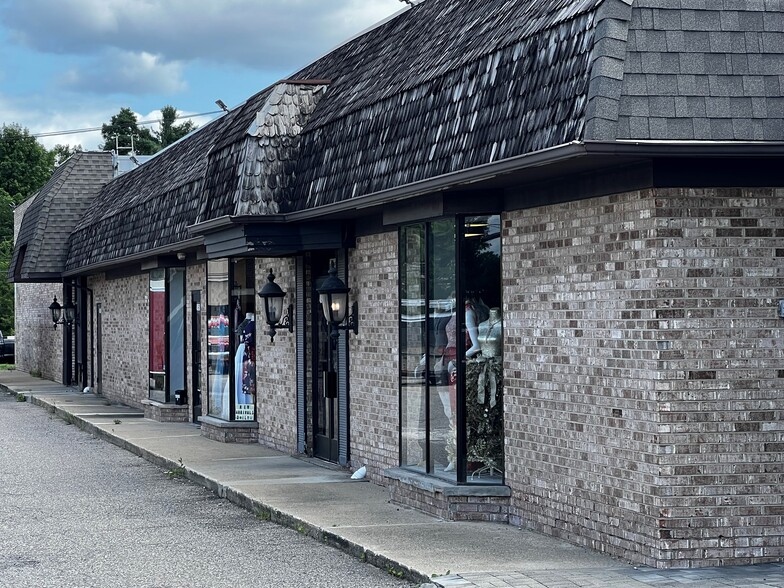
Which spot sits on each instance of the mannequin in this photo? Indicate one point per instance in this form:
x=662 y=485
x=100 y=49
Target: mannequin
x=472 y=330
x=474 y=309
x=490 y=334
x=244 y=361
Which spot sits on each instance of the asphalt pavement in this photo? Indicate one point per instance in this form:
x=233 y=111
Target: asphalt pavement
x=322 y=501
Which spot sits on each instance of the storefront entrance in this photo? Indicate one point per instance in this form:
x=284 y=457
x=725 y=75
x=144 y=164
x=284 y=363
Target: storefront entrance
x=324 y=378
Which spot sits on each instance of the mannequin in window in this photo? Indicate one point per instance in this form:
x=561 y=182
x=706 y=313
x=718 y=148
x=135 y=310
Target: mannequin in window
x=244 y=361
x=475 y=312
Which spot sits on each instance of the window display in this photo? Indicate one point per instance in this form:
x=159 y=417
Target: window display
x=452 y=365
x=231 y=334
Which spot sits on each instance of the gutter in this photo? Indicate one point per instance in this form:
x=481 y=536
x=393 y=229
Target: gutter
x=114 y=262
x=653 y=148
x=436 y=184
x=545 y=157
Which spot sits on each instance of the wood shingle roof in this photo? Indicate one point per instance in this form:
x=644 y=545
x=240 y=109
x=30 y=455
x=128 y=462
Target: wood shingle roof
x=443 y=87
x=454 y=85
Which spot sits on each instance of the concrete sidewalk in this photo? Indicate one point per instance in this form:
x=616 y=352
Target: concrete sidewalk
x=356 y=516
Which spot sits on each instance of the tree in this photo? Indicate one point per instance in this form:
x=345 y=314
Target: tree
x=25 y=166
x=169 y=132
x=123 y=131
x=63 y=152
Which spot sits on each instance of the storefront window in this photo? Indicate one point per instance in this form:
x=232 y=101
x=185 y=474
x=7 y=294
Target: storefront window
x=231 y=337
x=167 y=333
x=157 y=333
x=480 y=272
x=175 y=282
x=451 y=363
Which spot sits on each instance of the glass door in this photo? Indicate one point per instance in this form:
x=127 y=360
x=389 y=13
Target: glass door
x=196 y=353
x=326 y=431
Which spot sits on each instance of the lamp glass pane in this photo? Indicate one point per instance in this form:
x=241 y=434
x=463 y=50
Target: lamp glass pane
x=274 y=309
x=338 y=306
x=324 y=299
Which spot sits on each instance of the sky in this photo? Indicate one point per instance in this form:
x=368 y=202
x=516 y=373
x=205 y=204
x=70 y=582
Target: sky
x=68 y=65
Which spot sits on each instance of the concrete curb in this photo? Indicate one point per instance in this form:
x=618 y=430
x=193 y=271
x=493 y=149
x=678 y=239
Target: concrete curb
x=259 y=509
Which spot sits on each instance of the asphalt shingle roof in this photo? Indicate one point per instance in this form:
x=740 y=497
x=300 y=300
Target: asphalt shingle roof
x=709 y=71
x=42 y=243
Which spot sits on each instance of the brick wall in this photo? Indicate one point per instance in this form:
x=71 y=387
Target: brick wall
x=374 y=355
x=720 y=386
x=124 y=322
x=39 y=347
x=276 y=382
x=643 y=407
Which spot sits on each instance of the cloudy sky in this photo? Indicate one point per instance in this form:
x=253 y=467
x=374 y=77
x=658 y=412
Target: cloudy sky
x=71 y=64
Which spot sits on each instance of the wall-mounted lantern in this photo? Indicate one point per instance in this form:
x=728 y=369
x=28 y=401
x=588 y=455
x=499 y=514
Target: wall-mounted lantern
x=57 y=313
x=273 y=297
x=333 y=296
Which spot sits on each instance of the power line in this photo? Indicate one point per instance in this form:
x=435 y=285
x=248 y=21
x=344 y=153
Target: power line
x=94 y=129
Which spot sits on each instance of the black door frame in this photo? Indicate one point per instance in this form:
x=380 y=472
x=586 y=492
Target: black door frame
x=323 y=386
x=196 y=355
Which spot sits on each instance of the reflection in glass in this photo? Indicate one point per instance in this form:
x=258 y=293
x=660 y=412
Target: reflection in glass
x=483 y=374
x=218 y=338
x=176 y=332
x=451 y=377
x=441 y=357
x=243 y=297
x=157 y=334
x=413 y=365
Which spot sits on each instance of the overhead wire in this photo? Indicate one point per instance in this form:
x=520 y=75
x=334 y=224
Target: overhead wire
x=140 y=123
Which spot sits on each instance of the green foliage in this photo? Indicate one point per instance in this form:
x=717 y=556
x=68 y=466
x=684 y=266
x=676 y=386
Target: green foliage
x=177 y=471
x=25 y=167
x=171 y=132
x=123 y=130
x=21 y=397
x=124 y=125
x=63 y=152
x=25 y=164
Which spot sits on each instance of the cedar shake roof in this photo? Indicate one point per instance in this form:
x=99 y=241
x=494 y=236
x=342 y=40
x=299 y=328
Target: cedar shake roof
x=41 y=247
x=151 y=206
x=452 y=85
x=447 y=85
x=251 y=171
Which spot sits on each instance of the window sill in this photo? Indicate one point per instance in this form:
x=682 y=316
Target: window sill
x=221 y=424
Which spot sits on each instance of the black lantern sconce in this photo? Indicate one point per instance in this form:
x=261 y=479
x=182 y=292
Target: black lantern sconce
x=333 y=296
x=273 y=297
x=69 y=311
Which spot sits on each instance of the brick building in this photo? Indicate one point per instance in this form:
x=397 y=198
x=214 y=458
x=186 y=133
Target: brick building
x=561 y=223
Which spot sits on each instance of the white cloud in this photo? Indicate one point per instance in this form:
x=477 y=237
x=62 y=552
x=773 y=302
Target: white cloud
x=255 y=33
x=119 y=72
x=40 y=119
x=77 y=62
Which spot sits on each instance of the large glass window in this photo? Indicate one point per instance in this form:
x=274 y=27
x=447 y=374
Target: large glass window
x=451 y=362
x=157 y=334
x=231 y=338
x=166 y=333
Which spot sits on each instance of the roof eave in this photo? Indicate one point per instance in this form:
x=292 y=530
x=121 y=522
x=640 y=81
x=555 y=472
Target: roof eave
x=448 y=181
x=180 y=246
